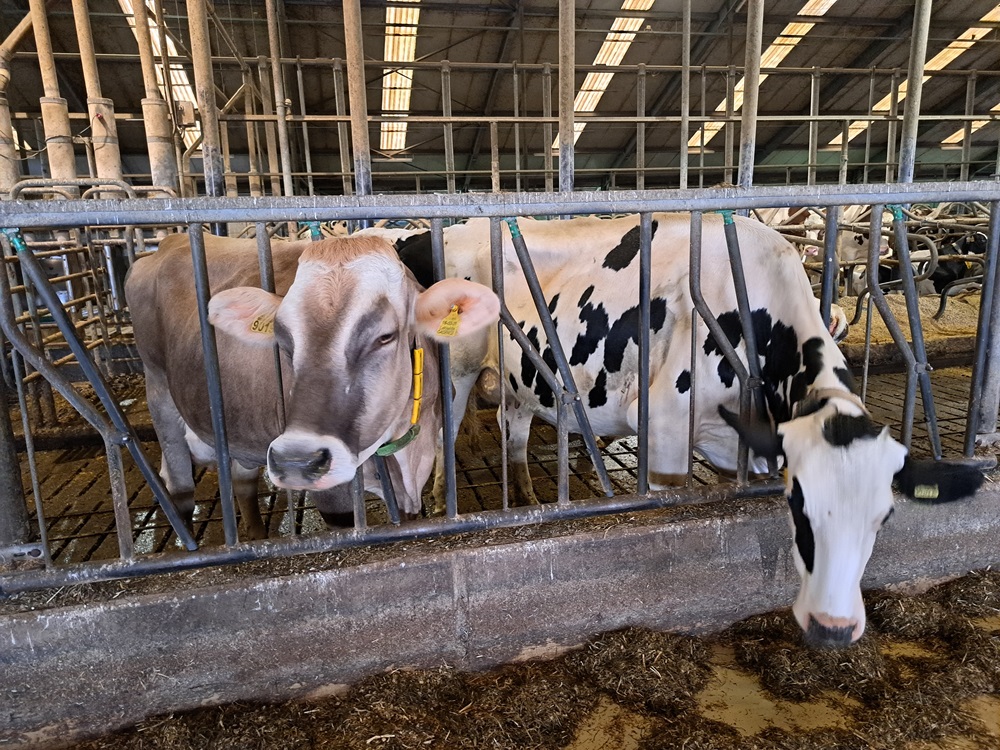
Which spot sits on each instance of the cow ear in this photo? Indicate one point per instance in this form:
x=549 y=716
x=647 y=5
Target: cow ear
x=758 y=434
x=246 y=313
x=937 y=481
x=454 y=308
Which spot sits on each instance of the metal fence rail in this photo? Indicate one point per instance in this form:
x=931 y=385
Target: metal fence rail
x=19 y=217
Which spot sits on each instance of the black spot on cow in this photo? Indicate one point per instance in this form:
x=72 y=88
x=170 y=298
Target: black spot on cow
x=626 y=329
x=803 y=529
x=595 y=329
x=841 y=430
x=845 y=377
x=552 y=304
x=683 y=383
x=528 y=370
x=542 y=388
x=812 y=359
x=598 y=395
x=622 y=255
x=415 y=252
x=733 y=331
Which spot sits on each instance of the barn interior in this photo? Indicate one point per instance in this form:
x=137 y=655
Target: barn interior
x=833 y=121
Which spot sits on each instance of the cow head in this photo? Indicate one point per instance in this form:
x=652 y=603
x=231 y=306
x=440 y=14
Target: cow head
x=839 y=473
x=349 y=325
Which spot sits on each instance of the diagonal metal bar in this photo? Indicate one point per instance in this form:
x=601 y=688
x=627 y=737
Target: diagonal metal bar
x=568 y=388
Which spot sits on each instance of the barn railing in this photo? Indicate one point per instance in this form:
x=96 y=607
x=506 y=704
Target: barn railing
x=19 y=217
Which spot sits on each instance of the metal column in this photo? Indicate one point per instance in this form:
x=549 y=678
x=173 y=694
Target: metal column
x=201 y=59
x=751 y=84
x=914 y=86
x=357 y=97
x=567 y=88
x=278 y=81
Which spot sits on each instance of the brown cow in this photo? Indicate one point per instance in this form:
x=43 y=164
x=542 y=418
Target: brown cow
x=348 y=319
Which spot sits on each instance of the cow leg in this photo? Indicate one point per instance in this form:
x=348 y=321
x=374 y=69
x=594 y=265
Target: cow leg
x=519 y=430
x=175 y=456
x=463 y=385
x=245 y=490
x=336 y=506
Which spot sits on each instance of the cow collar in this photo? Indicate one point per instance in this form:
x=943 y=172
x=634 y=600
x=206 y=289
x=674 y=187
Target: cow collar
x=387 y=449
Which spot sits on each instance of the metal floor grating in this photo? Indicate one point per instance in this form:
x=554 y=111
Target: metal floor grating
x=75 y=487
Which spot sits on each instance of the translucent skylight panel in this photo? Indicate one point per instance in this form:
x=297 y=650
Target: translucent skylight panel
x=400 y=46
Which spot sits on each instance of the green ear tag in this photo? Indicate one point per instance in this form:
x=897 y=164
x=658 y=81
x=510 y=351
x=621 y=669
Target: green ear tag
x=925 y=491
x=449 y=326
x=263 y=324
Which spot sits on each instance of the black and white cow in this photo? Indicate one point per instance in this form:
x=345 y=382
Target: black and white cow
x=349 y=320
x=840 y=466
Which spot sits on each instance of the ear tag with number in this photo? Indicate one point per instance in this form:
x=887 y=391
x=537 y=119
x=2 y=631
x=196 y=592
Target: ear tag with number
x=449 y=326
x=263 y=324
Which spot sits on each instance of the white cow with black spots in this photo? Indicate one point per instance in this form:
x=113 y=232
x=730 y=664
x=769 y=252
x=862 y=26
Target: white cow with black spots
x=840 y=467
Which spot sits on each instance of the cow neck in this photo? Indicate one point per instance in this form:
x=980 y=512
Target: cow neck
x=823 y=394
x=387 y=449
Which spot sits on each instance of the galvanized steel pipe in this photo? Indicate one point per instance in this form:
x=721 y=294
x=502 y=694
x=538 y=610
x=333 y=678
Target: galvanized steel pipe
x=357 y=97
x=567 y=87
x=280 y=105
x=914 y=87
x=751 y=86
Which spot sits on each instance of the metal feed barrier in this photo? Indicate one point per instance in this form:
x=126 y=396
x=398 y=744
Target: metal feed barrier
x=21 y=218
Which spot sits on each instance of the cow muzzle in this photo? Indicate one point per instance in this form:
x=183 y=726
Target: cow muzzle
x=831 y=632
x=308 y=464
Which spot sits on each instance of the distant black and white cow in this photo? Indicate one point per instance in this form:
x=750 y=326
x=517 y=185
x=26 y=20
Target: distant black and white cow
x=350 y=322
x=840 y=466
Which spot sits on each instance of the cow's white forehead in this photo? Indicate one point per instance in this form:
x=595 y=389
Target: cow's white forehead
x=370 y=275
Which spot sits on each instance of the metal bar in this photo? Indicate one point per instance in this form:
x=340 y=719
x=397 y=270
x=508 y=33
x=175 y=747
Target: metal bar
x=270 y=549
x=567 y=87
x=448 y=425
x=496 y=267
x=17 y=365
x=119 y=499
x=813 y=127
x=685 y=93
x=914 y=90
x=547 y=125
x=151 y=211
x=568 y=388
x=201 y=57
x=693 y=392
x=984 y=397
x=515 y=84
x=640 y=129
x=357 y=96
x=494 y=157
x=921 y=367
x=342 y=139
x=449 y=133
x=358 y=500
x=751 y=80
x=645 y=266
x=13 y=510
x=280 y=108
x=389 y=494
x=215 y=400
x=830 y=265
x=265 y=262
x=305 y=131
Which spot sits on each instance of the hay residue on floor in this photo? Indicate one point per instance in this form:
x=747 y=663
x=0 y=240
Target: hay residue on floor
x=925 y=676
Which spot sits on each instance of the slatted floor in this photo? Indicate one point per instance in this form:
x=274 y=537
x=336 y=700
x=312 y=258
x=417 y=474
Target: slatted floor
x=75 y=488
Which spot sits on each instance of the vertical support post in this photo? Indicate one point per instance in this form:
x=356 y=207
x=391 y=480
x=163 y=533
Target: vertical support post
x=640 y=128
x=645 y=262
x=830 y=267
x=280 y=105
x=449 y=130
x=444 y=359
x=727 y=173
x=342 y=139
x=914 y=89
x=970 y=107
x=305 y=128
x=496 y=267
x=494 y=158
x=516 y=86
x=813 y=127
x=204 y=84
x=13 y=511
x=751 y=85
x=685 y=93
x=567 y=88
x=211 y=354
x=55 y=115
x=357 y=97
x=547 y=126
x=984 y=399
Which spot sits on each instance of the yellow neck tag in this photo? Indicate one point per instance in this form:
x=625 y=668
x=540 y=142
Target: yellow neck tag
x=449 y=326
x=263 y=323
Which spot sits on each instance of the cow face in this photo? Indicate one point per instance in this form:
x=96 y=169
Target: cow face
x=840 y=470
x=349 y=325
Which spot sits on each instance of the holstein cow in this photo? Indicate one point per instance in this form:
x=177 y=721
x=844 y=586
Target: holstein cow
x=840 y=466
x=351 y=324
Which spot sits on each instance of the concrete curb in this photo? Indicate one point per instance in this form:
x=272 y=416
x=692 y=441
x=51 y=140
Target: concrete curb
x=75 y=672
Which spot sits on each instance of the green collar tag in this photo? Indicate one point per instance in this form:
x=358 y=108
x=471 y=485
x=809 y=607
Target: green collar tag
x=387 y=449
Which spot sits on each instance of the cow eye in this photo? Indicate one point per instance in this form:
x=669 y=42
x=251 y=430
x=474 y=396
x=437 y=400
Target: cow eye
x=386 y=338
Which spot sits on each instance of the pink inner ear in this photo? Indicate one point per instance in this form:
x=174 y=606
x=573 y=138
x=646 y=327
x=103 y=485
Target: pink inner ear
x=234 y=310
x=477 y=305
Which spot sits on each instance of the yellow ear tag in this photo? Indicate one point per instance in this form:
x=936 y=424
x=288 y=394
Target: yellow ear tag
x=449 y=326
x=263 y=323
x=925 y=491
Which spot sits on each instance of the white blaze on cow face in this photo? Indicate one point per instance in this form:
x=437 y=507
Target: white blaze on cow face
x=348 y=324
x=839 y=496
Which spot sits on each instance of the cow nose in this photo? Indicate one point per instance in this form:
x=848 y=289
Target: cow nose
x=830 y=632
x=309 y=465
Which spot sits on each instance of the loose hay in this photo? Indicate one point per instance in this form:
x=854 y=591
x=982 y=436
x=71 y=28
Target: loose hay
x=908 y=683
